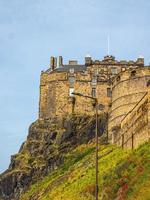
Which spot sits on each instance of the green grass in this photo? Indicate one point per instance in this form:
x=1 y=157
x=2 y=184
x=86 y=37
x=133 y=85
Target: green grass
x=122 y=173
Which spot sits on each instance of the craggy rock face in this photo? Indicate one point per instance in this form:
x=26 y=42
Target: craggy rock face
x=44 y=150
x=13 y=183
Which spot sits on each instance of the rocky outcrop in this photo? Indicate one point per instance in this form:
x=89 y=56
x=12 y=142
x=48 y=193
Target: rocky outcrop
x=44 y=151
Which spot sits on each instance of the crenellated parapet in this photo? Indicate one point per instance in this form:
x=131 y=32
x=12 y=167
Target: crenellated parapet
x=111 y=61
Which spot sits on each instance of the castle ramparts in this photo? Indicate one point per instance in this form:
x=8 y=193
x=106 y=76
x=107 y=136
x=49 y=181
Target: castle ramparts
x=128 y=117
x=135 y=126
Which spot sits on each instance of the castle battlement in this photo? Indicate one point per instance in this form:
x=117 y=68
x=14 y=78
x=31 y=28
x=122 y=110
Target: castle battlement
x=130 y=73
x=57 y=63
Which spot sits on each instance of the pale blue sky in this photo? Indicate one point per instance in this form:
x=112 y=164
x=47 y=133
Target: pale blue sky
x=33 y=30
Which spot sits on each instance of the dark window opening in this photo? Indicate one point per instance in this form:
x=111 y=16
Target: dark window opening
x=94 y=92
x=133 y=73
x=148 y=83
x=118 y=78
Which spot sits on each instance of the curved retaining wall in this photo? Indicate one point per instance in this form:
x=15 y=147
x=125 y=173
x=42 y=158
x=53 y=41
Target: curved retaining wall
x=127 y=90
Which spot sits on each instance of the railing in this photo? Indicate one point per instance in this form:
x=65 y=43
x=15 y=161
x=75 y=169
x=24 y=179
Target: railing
x=134 y=126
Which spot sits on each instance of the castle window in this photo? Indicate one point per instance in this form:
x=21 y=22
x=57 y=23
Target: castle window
x=94 y=80
x=109 y=92
x=114 y=70
x=71 y=70
x=71 y=90
x=133 y=73
x=148 y=83
x=101 y=70
x=94 y=92
x=96 y=72
x=71 y=81
x=118 y=78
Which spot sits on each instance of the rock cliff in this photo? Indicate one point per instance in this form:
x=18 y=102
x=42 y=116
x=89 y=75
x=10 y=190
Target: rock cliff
x=47 y=143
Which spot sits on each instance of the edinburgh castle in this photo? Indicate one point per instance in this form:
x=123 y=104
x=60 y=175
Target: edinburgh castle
x=121 y=88
x=119 y=103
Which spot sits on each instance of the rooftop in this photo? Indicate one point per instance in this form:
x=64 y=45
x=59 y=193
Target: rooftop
x=67 y=68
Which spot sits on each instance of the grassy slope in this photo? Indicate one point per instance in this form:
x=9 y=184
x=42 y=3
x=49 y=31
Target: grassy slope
x=122 y=174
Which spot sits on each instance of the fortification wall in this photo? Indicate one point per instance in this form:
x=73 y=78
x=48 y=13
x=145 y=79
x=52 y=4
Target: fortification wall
x=134 y=128
x=58 y=84
x=55 y=98
x=127 y=90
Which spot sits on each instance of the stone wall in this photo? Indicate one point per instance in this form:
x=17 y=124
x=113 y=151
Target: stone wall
x=56 y=86
x=55 y=99
x=127 y=90
x=134 y=127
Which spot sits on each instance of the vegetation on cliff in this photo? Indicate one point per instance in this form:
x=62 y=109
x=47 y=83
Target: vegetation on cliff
x=45 y=150
x=123 y=174
x=57 y=162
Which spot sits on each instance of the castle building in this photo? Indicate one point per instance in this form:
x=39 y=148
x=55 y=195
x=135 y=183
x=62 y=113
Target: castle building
x=93 y=78
x=122 y=88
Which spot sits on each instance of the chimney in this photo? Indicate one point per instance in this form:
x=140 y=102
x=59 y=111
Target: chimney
x=73 y=62
x=52 y=63
x=88 y=60
x=55 y=62
x=140 y=61
x=60 y=61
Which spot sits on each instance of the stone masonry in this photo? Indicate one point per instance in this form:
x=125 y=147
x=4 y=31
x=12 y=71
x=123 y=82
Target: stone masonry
x=118 y=85
x=134 y=128
x=93 y=79
x=129 y=118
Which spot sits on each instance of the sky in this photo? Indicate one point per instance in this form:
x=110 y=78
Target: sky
x=33 y=30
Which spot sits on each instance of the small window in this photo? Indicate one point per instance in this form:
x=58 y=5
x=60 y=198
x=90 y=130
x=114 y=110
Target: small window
x=71 y=70
x=148 y=83
x=118 y=78
x=109 y=92
x=71 y=90
x=102 y=70
x=133 y=73
x=94 y=80
x=96 y=72
x=114 y=70
x=94 y=92
x=71 y=81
